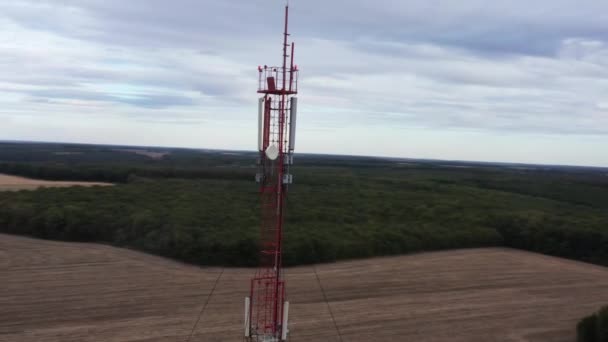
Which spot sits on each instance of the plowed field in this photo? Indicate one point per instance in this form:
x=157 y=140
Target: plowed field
x=53 y=291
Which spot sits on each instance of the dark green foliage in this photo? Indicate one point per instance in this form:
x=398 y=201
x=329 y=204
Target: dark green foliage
x=593 y=328
x=117 y=164
x=602 y=325
x=586 y=329
x=201 y=207
x=206 y=222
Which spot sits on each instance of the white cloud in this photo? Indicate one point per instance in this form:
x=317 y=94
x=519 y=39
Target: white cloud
x=514 y=69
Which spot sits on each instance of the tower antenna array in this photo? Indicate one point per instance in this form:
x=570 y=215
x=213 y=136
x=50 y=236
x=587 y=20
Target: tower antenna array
x=266 y=310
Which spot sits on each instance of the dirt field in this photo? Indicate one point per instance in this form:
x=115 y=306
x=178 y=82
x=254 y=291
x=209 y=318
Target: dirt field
x=13 y=183
x=52 y=291
x=143 y=152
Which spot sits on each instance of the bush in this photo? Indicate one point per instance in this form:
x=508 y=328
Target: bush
x=586 y=329
x=602 y=325
x=593 y=328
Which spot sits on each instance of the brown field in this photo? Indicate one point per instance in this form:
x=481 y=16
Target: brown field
x=143 y=152
x=13 y=183
x=53 y=291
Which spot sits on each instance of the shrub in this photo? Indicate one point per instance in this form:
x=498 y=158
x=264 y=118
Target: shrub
x=593 y=328
x=602 y=325
x=586 y=329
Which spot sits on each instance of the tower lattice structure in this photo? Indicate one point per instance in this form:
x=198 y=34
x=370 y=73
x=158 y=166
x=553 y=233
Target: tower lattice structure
x=266 y=308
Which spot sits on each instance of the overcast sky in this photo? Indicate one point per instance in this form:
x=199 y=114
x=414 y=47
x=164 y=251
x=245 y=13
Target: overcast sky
x=520 y=81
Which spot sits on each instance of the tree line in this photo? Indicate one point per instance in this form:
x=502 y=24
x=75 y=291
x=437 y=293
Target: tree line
x=331 y=215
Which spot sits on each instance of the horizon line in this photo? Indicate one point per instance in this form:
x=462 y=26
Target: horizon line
x=502 y=163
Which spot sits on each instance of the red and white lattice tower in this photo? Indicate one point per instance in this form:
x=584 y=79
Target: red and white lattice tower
x=266 y=310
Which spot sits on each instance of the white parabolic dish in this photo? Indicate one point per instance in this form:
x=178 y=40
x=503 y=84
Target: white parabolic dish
x=272 y=152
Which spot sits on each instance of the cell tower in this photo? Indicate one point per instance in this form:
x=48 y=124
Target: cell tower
x=266 y=310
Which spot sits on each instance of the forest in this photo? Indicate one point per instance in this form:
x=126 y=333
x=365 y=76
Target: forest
x=201 y=206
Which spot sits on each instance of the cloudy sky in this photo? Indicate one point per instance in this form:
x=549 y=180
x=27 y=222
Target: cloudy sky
x=520 y=81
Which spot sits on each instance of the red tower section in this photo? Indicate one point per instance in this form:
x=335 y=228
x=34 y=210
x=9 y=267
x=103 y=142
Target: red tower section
x=266 y=310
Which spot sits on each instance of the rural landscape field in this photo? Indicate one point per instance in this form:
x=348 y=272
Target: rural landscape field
x=378 y=248
x=15 y=183
x=303 y=171
x=55 y=291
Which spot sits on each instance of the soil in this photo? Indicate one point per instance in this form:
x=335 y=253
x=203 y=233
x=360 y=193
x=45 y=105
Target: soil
x=14 y=183
x=55 y=291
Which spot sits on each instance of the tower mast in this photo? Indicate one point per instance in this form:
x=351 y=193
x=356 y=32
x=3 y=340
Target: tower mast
x=266 y=310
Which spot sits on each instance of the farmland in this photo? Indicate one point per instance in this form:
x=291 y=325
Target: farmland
x=15 y=183
x=56 y=291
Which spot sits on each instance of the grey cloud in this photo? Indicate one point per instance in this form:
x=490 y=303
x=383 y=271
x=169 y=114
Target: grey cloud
x=143 y=100
x=520 y=27
x=159 y=101
x=471 y=63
